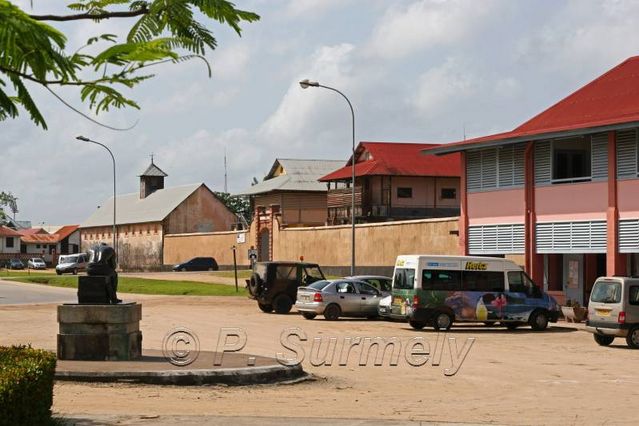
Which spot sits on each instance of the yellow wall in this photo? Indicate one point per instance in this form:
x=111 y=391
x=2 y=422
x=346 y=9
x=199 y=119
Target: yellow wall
x=181 y=247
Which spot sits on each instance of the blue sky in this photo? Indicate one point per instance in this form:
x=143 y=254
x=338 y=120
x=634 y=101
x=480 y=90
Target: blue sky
x=414 y=71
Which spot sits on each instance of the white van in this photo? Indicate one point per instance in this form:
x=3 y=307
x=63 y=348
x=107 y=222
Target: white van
x=613 y=310
x=440 y=290
x=72 y=263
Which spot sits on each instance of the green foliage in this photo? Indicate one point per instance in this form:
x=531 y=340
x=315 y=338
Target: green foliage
x=237 y=204
x=165 y=31
x=9 y=200
x=26 y=385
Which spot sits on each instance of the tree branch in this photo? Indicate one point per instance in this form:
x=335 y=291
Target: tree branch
x=94 y=16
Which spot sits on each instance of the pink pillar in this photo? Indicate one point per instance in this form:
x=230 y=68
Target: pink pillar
x=463 y=209
x=615 y=261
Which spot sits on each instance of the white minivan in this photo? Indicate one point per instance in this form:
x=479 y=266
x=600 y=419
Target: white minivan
x=613 y=310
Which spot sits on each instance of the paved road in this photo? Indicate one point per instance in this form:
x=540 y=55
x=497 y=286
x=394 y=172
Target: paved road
x=12 y=293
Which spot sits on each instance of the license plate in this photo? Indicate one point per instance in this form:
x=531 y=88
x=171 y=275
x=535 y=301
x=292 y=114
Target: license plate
x=602 y=313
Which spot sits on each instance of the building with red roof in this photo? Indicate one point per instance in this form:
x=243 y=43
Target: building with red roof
x=9 y=243
x=394 y=181
x=560 y=190
x=37 y=242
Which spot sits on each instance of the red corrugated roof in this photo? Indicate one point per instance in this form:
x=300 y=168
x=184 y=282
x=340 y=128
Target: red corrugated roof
x=612 y=98
x=8 y=232
x=66 y=230
x=31 y=231
x=40 y=238
x=397 y=159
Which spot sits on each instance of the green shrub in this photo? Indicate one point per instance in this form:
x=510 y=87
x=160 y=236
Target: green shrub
x=26 y=385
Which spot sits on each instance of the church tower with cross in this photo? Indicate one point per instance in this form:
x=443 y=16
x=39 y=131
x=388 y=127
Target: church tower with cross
x=151 y=180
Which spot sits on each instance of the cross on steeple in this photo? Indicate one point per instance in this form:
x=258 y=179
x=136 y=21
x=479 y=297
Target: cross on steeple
x=151 y=158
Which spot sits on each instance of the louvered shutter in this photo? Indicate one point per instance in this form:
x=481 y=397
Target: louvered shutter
x=571 y=237
x=519 y=151
x=496 y=239
x=629 y=236
x=489 y=168
x=542 y=163
x=599 y=156
x=473 y=171
x=626 y=153
x=505 y=166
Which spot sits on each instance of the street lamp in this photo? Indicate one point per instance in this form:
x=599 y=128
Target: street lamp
x=85 y=139
x=305 y=84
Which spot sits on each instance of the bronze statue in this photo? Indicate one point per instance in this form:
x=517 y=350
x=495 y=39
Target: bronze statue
x=103 y=263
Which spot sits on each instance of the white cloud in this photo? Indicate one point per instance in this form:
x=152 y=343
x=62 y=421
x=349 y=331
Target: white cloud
x=311 y=8
x=427 y=24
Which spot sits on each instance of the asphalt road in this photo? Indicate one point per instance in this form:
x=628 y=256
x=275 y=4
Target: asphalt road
x=12 y=293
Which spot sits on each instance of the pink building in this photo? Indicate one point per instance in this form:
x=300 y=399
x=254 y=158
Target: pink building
x=562 y=189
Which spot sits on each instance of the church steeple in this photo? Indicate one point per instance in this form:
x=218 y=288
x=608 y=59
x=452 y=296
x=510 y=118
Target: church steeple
x=151 y=180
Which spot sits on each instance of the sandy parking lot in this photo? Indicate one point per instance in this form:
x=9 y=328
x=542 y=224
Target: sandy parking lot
x=555 y=377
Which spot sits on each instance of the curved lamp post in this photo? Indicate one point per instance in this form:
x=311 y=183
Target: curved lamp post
x=85 y=139
x=305 y=84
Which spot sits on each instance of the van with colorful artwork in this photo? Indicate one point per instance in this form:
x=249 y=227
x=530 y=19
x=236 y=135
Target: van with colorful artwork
x=439 y=290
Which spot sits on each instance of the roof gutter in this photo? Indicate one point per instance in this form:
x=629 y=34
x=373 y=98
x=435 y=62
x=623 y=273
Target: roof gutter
x=458 y=147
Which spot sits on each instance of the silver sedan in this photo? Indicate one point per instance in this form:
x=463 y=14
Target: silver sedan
x=336 y=298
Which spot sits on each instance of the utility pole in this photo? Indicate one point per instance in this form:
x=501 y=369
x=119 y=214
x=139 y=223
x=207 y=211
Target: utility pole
x=226 y=188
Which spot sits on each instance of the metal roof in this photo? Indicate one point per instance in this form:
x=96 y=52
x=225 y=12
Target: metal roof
x=296 y=175
x=397 y=159
x=153 y=170
x=131 y=209
x=8 y=232
x=609 y=102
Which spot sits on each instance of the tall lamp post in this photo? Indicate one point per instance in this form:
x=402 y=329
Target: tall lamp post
x=305 y=84
x=85 y=139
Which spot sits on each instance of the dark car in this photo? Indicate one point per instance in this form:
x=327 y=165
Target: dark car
x=197 y=264
x=274 y=284
x=15 y=264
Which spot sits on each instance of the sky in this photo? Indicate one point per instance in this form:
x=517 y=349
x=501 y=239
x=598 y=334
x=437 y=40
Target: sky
x=415 y=71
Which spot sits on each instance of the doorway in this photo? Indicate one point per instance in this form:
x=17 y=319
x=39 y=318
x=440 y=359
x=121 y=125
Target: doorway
x=264 y=245
x=573 y=277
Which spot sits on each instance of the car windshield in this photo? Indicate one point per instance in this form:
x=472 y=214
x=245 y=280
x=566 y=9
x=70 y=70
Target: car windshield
x=68 y=259
x=404 y=279
x=606 y=292
x=36 y=260
x=319 y=285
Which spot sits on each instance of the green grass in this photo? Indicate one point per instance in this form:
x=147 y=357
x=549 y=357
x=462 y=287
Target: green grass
x=144 y=286
x=241 y=274
x=9 y=273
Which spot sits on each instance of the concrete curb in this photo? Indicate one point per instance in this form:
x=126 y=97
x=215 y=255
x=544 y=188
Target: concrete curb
x=184 y=377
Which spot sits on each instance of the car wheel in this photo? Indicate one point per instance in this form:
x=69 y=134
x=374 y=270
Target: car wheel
x=182 y=269
x=210 y=269
x=539 y=320
x=309 y=315
x=254 y=284
x=282 y=304
x=442 y=321
x=489 y=323
x=633 y=338
x=58 y=272
x=265 y=308
x=332 y=312
x=417 y=325
x=75 y=272
x=603 y=340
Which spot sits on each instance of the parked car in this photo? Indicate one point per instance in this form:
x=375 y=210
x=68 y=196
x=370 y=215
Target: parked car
x=380 y=282
x=384 y=307
x=274 y=284
x=197 y=264
x=337 y=298
x=15 y=264
x=36 y=263
x=71 y=263
x=613 y=310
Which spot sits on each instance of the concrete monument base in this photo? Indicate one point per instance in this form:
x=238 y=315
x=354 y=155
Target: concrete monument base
x=100 y=332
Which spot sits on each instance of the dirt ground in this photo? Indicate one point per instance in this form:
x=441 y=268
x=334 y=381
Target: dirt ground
x=555 y=377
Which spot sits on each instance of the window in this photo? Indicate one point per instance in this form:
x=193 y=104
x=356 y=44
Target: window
x=493 y=168
x=404 y=279
x=404 y=192
x=345 y=287
x=286 y=272
x=606 y=292
x=448 y=194
x=37 y=246
x=634 y=295
x=483 y=281
x=9 y=242
x=367 y=289
x=518 y=282
x=441 y=280
x=571 y=160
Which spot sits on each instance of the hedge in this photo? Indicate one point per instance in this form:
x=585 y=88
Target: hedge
x=26 y=385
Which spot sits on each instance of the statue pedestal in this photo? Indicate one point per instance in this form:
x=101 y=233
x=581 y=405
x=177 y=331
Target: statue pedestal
x=100 y=332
